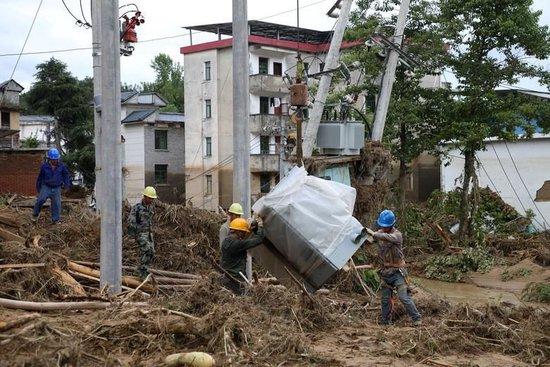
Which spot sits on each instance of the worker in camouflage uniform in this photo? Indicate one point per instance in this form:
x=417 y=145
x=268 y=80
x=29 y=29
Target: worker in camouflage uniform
x=241 y=238
x=392 y=271
x=140 y=225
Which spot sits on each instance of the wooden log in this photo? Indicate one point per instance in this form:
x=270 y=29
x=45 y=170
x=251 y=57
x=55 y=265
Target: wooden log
x=441 y=232
x=61 y=306
x=126 y=280
x=94 y=279
x=10 y=236
x=68 y=280
x=22 y=266
x=8 y=325
x=9 y=220
x=172 y=274
x=165 y=280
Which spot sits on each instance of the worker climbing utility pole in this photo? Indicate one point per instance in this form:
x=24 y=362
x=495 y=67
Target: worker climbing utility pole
x=96 y=54
x=331 y=62
x=241 y=129
x=110 y=174
x=389 y=75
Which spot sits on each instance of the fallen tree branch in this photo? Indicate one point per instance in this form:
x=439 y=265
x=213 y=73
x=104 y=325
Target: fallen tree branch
x=137 y=289
x=60 y=306
x=89 y=277
x=7 y=325
x=22 y=266
x=68 y=280
x=166 y=280
x=158 y=272
x=10 y=236
x=9 y=221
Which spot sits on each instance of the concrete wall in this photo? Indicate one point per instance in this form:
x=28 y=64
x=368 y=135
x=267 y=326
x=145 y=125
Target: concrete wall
x=532 y=158
x=19 y=171
x=134 y=161
x=174 y=157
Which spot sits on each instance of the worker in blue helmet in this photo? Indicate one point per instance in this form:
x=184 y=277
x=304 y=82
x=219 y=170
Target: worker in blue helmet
x=392 y=271
x=53 y=177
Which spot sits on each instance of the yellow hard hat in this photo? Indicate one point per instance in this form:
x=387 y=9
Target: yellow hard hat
x=236 y=208
x=239 y=224
x=150 y=192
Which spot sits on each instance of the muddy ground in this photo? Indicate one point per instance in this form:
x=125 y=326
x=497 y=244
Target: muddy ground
x=270 y=326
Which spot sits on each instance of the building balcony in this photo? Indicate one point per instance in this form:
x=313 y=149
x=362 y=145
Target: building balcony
x=264 y=163
x=268 y=85
x=266 y=124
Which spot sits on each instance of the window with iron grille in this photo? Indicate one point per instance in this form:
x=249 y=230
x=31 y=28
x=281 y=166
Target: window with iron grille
x=207 y=70
x=161 y=174
x=264 y=144
x=208 y=147
x=161 y=139
x=264 y=105
x=208 y=108
x=208 y=185
x=263 y=65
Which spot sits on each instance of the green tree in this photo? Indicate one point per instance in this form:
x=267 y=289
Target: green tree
x=58 y=93
x=415 y=116
x=168 y=82
x=491 y=43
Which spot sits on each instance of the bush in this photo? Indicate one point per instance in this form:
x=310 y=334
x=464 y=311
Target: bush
x=30 y=142
x=537 y=292
x=451 y=268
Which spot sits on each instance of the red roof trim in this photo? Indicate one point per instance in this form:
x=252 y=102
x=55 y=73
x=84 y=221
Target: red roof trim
x=264 y=41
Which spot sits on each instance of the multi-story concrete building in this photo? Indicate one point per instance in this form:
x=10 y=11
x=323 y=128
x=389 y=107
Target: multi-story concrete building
x=209 y=105
x=9 y=113
x=154 y=147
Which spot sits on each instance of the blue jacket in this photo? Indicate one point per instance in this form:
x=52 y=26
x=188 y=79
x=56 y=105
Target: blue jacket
x=53 y=178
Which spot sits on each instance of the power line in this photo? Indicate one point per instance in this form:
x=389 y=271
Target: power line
x=86 y=23
x=524 y=185
x=486 y=173
x=510 y=183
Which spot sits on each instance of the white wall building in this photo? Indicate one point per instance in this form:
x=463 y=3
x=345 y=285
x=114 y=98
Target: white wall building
x=40 y=127
x=519 y=171
x=209 y=106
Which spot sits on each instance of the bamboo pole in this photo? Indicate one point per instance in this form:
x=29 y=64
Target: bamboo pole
x=60 y=306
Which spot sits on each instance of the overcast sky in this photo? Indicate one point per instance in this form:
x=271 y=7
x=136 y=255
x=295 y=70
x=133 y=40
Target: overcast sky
x=55 y=29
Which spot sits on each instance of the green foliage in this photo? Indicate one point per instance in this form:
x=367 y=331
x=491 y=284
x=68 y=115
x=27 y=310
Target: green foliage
x=537 y=292
x=508 y=274
x=371 y=278
x=58 y=93
x=168 y=82
x=451 y=268
x=30 y=142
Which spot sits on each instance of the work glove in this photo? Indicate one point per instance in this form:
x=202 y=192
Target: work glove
x=370 y=231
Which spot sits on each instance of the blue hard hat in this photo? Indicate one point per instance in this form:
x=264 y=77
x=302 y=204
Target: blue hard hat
x=53 y=154
x=386 y=219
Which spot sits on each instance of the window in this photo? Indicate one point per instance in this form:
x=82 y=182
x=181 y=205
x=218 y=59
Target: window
x=277 y=69
x=161 y=139
x=5 y=116
x=264 y=144
x=306 y=67
x=161 y=174
x=208 y=108
x=263 y=65
x=264 y=105
x=208 y=147
x=208 y=185
x=265 y=183
x=305 y=113
x=321 y=66
x=207 y=70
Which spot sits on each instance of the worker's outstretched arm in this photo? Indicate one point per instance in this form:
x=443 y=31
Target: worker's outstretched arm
x=254 y=240
x=394 y=237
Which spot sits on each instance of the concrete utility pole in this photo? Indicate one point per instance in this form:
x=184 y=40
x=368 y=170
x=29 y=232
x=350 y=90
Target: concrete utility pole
x=389 y=75
x=241 y=111
x=331 y=62
x=96 y=54
x=111 y=170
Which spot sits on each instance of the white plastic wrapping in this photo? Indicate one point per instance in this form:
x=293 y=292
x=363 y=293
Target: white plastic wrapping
x=310 y=221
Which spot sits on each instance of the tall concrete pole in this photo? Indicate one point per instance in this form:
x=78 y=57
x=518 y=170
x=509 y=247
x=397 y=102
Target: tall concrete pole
x=241 y=111
x=331 y=62
x=389 y=75
x=111 y=171
x=96 y=54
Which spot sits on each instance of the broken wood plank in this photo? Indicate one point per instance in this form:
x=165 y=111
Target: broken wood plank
x=22 y=266
x=126 y=280
x=10 y=236
x=9 y=220
x=8 y=325
x=68 y=280
x=60 y=306
x=172 y=274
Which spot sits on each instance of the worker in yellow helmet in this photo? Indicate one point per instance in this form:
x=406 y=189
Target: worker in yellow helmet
x=140 y=226
x=235 y=211
x=241 y=238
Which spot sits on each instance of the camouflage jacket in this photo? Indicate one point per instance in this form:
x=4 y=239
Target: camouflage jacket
x=234 y=252
x=140 y=219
